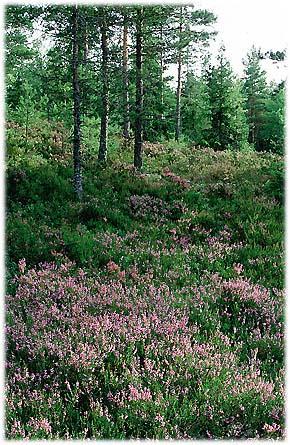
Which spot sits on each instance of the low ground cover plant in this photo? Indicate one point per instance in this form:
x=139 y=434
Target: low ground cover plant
x=158 y=317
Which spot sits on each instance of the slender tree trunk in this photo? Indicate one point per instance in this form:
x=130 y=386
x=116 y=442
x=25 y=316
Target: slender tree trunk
x=178 y=91
x=105 y=90
x=86 y=46
x=76 y=107
x=26 y=123
x=251 y=122
x=178 y=100
x=126 y=122
x=187 y=60
x=139 y=92
x=161 y=74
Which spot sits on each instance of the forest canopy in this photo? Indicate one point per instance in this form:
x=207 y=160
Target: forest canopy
x=105 y=70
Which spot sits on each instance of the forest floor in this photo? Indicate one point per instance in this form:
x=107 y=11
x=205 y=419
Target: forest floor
x=154 y=307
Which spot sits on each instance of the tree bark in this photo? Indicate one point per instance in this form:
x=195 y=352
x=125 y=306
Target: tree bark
x=126 y=122
x=76 y=107
x=26 y=123
x=178 y=100
x=139 y=92
x=105 y=90
x=86 y=46
x=161 y=75
x=178 y=91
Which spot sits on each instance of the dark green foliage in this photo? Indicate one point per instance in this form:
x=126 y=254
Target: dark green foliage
x=212 y=113
x=196 y=111
x=228 y=123
x=194 y=240
x=256 y=92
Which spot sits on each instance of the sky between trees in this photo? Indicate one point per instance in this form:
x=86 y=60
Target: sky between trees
x=240 y=25
x=243 y=23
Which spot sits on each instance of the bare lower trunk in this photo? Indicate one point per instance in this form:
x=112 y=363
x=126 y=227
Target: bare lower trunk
x=26 y=123
x=139 y=93
x=178 y=91
x=252 y=126
x=161 y=75
x=252 y=135
x=126 y=123
x=76 y=107
x=105 y=92
x=86 y=46
x=178 y=101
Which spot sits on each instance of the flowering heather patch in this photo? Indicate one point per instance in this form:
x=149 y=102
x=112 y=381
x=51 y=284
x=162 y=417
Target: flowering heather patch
x=155 y=208
x=119 y=355
x=153 y=149
x=212 y=250
x=176 y=179
x=157 y=316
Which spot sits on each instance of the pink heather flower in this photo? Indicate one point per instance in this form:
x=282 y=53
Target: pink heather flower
x=134 y=272
x=238 y=268
x=42 y=424
x=22 y=265
x=17 y=429
x=175 y=178
x=160 y=419
x=122 y=275
x=82 y=274
x=271 y=428
x=142 y=394
x=113 y=267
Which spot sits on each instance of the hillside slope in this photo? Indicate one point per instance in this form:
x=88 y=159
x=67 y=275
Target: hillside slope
x=152 y=309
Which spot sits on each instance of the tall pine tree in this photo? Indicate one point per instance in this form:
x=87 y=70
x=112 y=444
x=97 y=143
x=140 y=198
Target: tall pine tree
x=255 y=90
x=228 y=124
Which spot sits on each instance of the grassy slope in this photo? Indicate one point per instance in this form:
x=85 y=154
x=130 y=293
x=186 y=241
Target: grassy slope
x=225 y=212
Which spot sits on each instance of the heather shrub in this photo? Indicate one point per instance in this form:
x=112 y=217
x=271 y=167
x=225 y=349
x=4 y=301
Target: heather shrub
x=157 y=309
x=123 y=354
x=41 y=183
x=274 y=185
x=25 y=238
x=146 y=206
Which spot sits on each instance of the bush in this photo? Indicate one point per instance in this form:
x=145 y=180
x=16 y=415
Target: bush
x=137 y=359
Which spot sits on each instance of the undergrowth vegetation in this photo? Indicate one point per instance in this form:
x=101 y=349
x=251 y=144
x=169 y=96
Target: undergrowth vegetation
x=154 y=307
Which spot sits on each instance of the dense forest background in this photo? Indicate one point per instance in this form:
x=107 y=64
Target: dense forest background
x=88 y=74
x=144 y=228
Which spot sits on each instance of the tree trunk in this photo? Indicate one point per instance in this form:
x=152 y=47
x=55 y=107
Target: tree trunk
x=105 y=90
x=251 y=122
x=139 y=92
x=86 y=46
x=178 y=91
x=26 y=123
x=126 y=122
x=161 y=74
x=178 y=100
x=76 y=107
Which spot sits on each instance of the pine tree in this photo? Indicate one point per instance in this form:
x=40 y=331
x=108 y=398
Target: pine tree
x=105 y=85
x=193 y=30
x=228 y=122
x=255 y=90
x=76 y=105
x=126 y=104
x=139 y=91
x=273 y=131
x=156 y=44
x=196 y=110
